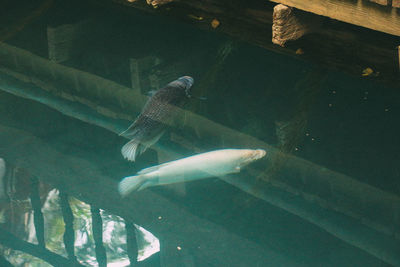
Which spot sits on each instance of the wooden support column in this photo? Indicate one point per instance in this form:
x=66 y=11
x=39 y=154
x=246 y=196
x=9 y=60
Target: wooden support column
x=290 y=24
x=65 y=40
x=141 y=77
x=398 y=53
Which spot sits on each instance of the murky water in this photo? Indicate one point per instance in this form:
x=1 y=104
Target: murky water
x=327 y=193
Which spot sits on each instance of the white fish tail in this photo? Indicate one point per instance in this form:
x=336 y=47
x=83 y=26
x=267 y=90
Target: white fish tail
x=132 y=183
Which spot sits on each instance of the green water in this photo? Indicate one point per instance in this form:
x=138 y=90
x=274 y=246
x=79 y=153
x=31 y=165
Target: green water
x=326 y=194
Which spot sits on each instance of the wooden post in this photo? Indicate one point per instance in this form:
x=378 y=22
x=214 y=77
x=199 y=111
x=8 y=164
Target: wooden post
x=141 y=78
x=290 y=24
x=398 y=52
x=64 y=40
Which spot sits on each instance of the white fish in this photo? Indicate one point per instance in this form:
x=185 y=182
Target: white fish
x=209 y=164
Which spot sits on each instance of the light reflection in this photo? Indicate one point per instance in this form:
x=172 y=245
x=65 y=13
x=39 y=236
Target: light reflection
x=148 y=244
x=114 y=235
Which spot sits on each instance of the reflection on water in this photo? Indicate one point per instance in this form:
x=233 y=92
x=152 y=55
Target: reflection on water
x=23 y=216
x=326 y=193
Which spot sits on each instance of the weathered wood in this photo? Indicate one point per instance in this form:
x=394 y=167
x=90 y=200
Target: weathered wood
x=381 y=2
x=290 y=24
x=65 y=40
x=156 y=3
x=372 y=17
x=246 y=22
x=398 y=51
x=396 y=3
x=141 y=77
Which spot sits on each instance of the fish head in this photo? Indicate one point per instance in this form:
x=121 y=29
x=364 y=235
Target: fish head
x=186 y=83
x=251 y=155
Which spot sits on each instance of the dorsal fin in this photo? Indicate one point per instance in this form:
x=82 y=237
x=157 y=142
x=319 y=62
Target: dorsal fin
x=151 y=169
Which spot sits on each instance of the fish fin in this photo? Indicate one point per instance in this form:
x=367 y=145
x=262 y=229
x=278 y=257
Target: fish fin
x=138 y=146
x=152 y=169
x=130 y=131
x=131 y=149
x=131 y=183
x=149 y=169
x=151 y=92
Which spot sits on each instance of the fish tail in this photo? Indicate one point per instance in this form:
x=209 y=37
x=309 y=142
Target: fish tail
x=138 y=145
x=131 y=149
x=131 y=183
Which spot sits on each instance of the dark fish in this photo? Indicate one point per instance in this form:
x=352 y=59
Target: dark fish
x=156 y=116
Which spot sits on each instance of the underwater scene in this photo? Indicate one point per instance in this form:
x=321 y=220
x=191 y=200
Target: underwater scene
x=128 y=139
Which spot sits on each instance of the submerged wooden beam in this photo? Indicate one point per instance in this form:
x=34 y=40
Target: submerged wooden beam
x=352 y=196
x=358 y=201
x=355 y=12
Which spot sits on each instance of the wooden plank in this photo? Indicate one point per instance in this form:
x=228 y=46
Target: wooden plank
x=398 y=51
x=396 y=3
x=381 y=2
x=358 y=13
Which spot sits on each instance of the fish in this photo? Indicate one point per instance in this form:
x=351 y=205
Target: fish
x=205 y=165
x=156 y=116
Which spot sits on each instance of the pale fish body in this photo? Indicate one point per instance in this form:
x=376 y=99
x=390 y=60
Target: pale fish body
x=205 y=165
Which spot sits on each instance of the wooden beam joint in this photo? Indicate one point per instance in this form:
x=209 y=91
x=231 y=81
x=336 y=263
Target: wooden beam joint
x=290 y=24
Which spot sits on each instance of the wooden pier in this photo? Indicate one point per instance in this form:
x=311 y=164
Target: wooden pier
x=346 y=35
x=378 y=16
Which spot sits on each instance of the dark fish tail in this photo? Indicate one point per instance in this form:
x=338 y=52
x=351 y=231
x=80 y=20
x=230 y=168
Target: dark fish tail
x=138 y=145
x=132 y=149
